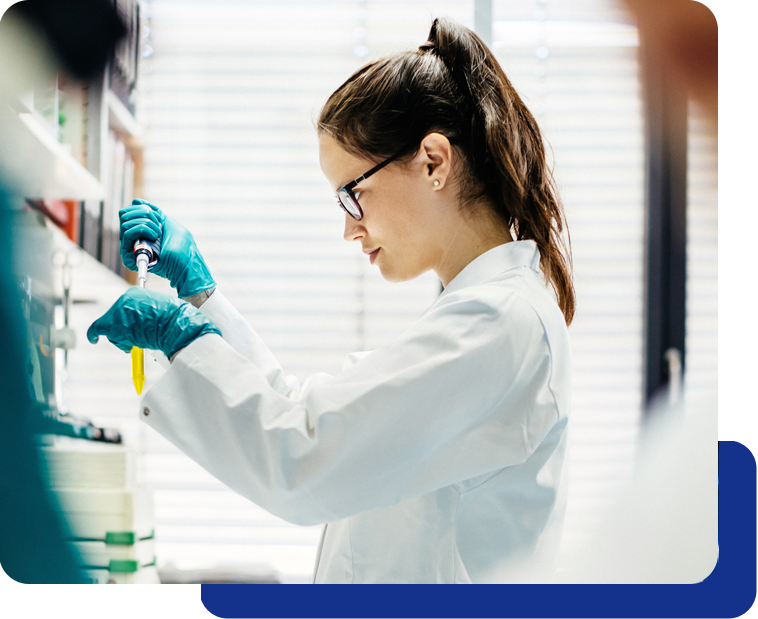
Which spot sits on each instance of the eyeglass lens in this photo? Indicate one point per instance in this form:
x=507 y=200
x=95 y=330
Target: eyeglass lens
x=349 y=204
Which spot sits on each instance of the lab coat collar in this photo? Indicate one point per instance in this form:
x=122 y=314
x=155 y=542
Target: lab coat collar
x=495 y=261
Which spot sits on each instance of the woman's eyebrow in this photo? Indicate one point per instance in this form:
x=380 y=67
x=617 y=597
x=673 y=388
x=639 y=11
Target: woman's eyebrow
x=347 y=182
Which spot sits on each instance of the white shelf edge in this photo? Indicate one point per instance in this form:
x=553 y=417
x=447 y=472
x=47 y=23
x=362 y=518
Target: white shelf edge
x=119 y=118
x=41 y=167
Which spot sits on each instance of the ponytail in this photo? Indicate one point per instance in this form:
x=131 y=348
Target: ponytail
x=454 y=86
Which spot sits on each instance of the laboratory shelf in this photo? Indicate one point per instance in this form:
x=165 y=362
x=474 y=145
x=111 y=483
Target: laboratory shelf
x=42 y=167
x=120 y=119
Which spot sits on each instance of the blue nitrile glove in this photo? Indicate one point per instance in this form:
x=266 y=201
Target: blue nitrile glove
x=180 y=261
x=152 y=320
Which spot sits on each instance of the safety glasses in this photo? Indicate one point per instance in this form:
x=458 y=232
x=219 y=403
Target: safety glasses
x=348 y=200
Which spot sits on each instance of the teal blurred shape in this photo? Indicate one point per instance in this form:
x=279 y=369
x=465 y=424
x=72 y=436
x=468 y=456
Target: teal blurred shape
x=32 y=529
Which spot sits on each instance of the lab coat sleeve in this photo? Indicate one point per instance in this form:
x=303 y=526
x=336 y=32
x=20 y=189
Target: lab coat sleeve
x=464 y=391
x=242 y=337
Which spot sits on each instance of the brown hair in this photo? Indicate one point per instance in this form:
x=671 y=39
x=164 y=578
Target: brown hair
x=454 y=86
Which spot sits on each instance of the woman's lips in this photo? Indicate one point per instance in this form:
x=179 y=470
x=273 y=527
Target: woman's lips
x=372 y=253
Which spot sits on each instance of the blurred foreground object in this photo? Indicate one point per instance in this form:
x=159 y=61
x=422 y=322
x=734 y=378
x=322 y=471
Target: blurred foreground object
x=32 y=549
x=35 y=36
x=79 y=33
x=664 y=529
x=683 y=37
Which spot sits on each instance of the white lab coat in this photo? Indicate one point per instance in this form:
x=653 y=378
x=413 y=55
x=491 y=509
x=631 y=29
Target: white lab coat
x=434 y=459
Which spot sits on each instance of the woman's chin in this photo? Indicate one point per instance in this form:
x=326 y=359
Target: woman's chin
x=396 y=276
x=388 y=274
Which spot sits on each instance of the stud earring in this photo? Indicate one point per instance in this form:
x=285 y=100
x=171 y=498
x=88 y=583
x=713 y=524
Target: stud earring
x=436 y=183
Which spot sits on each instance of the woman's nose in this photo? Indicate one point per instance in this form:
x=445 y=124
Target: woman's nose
x=354 y=230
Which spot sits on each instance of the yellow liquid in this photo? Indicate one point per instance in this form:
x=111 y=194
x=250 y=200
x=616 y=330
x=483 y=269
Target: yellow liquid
x=138 y=369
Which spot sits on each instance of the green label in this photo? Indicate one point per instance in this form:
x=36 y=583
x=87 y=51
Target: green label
x=122 y=538
x=123 y=565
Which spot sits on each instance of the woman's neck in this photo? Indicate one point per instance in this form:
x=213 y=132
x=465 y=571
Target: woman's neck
x=469 y=238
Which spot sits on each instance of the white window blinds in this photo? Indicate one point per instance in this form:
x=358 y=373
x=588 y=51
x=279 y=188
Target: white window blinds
x=701 y=343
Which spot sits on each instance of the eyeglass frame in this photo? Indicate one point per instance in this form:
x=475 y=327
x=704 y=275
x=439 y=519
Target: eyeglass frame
x=347 y=190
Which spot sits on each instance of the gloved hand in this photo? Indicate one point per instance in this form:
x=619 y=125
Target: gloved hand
x=180 y=261
x=152 y=320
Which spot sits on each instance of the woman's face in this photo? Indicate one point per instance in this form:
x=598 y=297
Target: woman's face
x=400 y=231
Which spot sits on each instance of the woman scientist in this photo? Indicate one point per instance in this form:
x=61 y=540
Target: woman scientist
x=438 y=457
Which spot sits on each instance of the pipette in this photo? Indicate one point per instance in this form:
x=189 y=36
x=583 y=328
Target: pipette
x=145 y=255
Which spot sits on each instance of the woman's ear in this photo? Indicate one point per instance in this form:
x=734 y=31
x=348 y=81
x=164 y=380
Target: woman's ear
x=437 y=154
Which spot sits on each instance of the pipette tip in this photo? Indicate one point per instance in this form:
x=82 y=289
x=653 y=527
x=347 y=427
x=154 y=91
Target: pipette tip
x=138 y=369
